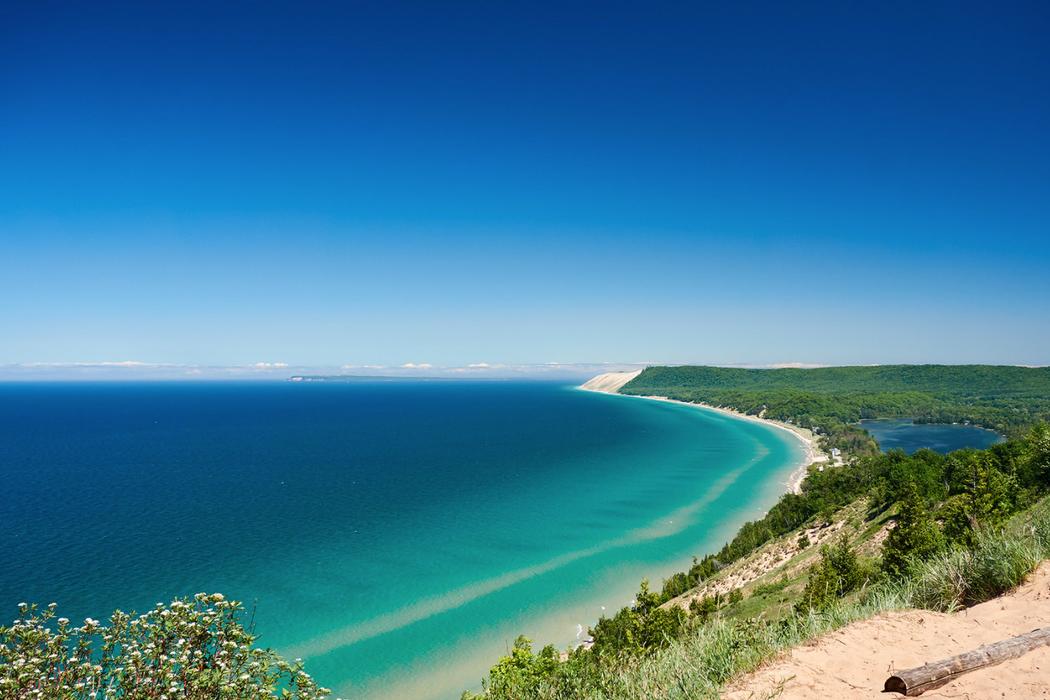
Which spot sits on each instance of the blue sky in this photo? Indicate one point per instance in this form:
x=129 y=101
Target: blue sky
x=351 y=184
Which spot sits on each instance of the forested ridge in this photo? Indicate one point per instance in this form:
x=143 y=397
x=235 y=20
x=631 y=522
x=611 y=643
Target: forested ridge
x=832 y=399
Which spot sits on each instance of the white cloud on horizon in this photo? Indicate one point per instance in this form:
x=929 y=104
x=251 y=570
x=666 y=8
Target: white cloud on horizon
x=131 y=370
x=100 y=363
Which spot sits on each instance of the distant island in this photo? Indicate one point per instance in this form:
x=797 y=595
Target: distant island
x=363 y=378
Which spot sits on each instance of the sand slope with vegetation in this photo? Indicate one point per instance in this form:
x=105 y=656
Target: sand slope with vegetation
x=772 y=578
x=854 y=662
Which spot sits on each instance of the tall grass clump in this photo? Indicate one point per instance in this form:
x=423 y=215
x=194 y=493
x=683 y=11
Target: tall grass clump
x=999 y=560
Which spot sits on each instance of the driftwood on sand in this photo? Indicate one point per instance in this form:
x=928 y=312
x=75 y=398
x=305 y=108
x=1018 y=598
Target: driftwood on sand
x=916 y=681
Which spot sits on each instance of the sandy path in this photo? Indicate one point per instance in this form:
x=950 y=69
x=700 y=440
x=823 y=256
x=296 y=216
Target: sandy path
x=855 y=661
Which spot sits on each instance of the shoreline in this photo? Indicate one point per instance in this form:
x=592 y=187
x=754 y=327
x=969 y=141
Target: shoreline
x=811 y=454
x=610 y=383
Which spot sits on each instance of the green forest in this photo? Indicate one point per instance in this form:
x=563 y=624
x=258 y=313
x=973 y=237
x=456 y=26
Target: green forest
x=832 y=399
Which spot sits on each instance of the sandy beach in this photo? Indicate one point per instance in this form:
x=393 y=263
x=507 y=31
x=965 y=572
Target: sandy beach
x=612 y=382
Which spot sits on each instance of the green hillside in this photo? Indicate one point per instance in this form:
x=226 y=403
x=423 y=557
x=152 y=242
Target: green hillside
x=1000 y=397
x=1003 y=398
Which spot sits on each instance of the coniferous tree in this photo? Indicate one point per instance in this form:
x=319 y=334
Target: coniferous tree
x=914 y=538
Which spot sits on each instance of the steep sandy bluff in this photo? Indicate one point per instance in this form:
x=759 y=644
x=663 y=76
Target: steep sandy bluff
x=610 y=382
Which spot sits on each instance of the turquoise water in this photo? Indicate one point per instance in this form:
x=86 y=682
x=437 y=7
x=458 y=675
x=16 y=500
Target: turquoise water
x=903 y=434
x=396 y=536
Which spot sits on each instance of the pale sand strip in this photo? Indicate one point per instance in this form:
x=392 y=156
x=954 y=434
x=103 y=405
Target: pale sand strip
x=612 y=382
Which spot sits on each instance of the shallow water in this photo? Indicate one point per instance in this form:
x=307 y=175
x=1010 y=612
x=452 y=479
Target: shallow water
x=396 y=536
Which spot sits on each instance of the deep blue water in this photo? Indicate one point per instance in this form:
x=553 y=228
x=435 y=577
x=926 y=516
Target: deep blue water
x=903 y=434
x=396 y=536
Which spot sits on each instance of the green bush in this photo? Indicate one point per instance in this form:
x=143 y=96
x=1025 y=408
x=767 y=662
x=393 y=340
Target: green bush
x=638 y=629
x=838 y=573
x=520 y=669
x=770 y=588
x=914 y=538
x=703 y=608
x=194 y=649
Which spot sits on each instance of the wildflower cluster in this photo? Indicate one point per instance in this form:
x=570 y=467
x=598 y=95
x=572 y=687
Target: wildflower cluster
x=193 y=648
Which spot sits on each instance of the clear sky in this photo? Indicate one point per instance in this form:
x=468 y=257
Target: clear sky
x=349 y=184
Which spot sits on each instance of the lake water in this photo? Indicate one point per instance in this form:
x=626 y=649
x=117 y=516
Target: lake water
x=396 y=536
x=903 y=434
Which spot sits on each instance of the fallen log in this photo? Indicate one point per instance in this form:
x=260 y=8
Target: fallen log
x=916 y=681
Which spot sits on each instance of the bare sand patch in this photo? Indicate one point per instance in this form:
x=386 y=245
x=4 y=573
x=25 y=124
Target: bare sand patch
x=610 y=382
x=855 y=661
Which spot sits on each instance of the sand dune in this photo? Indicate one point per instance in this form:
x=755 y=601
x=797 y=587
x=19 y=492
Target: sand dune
x=610 y=382
x=854 y=662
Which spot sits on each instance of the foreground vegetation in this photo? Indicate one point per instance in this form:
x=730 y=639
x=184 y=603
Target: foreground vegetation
x=701 y=661
x=194 y=649
x=968 y=526
x=832 y=399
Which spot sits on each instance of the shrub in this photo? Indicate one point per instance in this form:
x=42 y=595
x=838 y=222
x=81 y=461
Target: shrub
x=770 y=588
x=639 y=629
x=194 y=649
x=703 y=608
x=839 y=572
x=915 y=537
x=520 y=669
